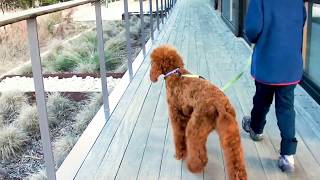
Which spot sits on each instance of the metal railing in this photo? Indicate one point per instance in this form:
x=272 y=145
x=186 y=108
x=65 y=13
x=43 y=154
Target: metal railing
x=31 y=17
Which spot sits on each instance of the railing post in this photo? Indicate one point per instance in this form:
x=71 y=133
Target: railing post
x=127 y=27
x=157 y=10
x=151 y=19
x=102 y=62
x=165 y=7
x=40 y=97
x=142 y=38
x=162 y=11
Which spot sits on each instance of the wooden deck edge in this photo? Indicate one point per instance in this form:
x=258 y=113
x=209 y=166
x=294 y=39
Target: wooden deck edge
x=77 y=155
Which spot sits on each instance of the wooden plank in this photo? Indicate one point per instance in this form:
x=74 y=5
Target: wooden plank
x=130 y=163
x=170 y=167
x=32 y=13
x=113 y=157
x=215 y=167
x=309 y=137
x=192 y=65
x=102 y=144
x=152 y=158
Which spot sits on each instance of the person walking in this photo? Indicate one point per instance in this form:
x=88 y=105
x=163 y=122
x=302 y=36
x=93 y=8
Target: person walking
x=276 y=29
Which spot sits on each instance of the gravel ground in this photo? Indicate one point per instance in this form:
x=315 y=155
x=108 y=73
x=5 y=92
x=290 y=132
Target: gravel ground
x=53 y=84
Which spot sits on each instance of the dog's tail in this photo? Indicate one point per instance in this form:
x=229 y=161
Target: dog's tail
x=228 y=130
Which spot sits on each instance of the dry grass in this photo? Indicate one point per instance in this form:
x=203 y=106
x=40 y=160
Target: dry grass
x=13 y=46
x=10 y=106
x=88 y=111
x=28 y=120
x=62 y=147
x=59 y=109
x=12 y=141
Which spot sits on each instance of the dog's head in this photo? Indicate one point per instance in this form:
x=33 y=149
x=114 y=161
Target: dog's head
x=165 y=58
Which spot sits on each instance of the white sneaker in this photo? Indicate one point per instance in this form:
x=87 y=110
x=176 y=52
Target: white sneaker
x=286 y=163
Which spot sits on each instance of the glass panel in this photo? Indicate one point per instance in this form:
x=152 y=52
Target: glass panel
x=314 y=58
x=230 y=10
x=226 y=9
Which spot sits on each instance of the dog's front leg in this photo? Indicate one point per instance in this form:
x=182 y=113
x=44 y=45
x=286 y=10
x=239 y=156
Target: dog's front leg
x=179 y=123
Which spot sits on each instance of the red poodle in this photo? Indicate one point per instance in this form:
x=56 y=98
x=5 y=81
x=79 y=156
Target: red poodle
x=196 y=107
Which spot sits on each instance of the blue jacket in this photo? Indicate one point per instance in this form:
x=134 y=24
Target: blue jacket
x=276 y=27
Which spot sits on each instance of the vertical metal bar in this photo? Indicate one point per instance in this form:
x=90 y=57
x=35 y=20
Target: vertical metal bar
x=157 y=10
x=151 y=19
x=103 y=72
x=127 y=26
x=40 y=97
x=107 y=3
x=165 y=6
x=142 y=37
x=162 y=11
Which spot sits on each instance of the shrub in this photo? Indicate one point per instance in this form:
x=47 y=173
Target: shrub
x=11 y=141
x=40 y=175
x=87 y=112
x=113 y=28
x=28 y=119
x=10 y=106
x=24 y=70
x=48 y=2
x=59 y=109
x=52 y=20
x=85 y=67
x=62 y=147
x=116 y=44
x=65 y=62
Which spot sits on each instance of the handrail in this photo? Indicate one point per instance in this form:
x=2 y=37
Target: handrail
x=32 y=13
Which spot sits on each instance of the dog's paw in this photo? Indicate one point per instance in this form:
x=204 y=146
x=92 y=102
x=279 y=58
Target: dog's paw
x=195 y=168
x=180 y=155
x=196 y=165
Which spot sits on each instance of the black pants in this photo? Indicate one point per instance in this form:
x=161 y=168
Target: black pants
x=284 y=104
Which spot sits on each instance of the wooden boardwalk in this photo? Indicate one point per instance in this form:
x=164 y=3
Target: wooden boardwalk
x=136 y=142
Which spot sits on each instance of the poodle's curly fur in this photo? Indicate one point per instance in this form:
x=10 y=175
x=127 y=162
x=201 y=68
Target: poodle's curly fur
x=196 y=107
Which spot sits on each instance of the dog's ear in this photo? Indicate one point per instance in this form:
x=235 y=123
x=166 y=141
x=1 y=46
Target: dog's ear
x=156 y=61
x=155 y=72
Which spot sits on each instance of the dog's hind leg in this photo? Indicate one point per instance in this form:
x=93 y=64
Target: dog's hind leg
x=229 y=135
x=179 y=123
x=197 y=133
